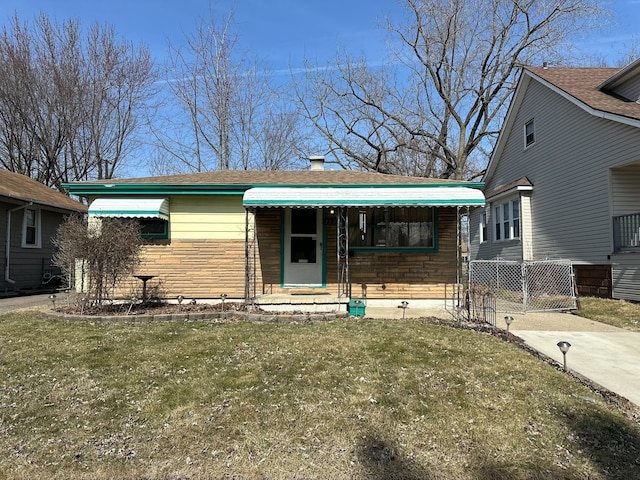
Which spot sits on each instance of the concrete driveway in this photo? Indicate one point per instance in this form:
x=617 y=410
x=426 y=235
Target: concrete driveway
x=8 y=304
x=607 y=355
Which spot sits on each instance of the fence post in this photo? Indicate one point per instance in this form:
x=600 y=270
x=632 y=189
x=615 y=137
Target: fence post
x=525 y=289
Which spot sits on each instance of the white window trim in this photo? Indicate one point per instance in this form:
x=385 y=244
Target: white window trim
x=498 y=220
x=484 y=233
x=533 y=142
x=38 y=227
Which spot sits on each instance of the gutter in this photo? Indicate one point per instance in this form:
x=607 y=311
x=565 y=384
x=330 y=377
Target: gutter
x=7 y=277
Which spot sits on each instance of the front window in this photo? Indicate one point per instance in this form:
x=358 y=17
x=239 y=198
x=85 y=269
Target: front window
x=154 y=228
x=31 y=228
x=392 y=228
x=150 y=228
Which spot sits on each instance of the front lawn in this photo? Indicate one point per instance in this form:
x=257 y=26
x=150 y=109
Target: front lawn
x=327 y=400
x=618 y=313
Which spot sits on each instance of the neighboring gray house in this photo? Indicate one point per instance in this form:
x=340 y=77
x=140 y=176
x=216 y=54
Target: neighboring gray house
x=30 y=213
x=564 y=178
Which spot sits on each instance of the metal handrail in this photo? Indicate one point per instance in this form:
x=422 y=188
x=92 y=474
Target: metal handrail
x=626 y=231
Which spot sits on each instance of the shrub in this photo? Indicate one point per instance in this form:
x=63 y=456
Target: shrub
x=106 y=249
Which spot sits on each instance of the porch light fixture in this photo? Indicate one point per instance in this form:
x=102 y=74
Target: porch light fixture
x=564 y=348
x=53 y=300
x=404 y=305
x=508 y=319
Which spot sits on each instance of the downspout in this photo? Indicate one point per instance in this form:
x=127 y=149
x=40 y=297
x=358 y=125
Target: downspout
x=7 y=277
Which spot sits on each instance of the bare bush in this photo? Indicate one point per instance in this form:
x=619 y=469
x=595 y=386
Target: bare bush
x=108 y=250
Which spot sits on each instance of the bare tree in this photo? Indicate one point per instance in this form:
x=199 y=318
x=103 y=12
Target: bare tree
x=118 y=84
x=435 y=110
x=227 y=103
x=70 y=105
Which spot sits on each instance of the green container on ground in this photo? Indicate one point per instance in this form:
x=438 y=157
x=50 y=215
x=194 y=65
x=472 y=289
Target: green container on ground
x=357 y=307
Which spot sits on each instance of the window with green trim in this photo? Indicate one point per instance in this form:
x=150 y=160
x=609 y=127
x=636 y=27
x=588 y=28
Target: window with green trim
x=150 y=228
x=392 y=227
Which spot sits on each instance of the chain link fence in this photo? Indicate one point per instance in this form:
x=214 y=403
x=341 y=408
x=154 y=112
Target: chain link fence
x=520 y=287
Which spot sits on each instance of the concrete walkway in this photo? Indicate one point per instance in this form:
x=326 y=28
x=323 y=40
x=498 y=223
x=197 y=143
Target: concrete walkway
x=8 y=304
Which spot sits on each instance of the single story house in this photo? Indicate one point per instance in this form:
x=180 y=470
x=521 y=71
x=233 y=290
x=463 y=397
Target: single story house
x=563 y=181
x=261 y=236
x=30 y=214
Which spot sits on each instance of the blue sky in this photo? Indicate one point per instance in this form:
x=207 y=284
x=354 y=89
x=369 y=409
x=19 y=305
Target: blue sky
x=281 y=32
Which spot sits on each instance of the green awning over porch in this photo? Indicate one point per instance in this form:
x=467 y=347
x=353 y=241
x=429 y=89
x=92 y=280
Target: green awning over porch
x=131 y=207
x=384 y=196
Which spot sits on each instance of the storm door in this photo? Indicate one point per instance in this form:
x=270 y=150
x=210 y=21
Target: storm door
x=303 y=252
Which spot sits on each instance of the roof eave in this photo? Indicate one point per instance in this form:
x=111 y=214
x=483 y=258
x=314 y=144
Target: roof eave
x=43 y=204
x=634 y=122
x=92 y=189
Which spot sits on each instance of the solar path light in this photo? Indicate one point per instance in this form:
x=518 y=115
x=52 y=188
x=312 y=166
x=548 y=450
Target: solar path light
x=53 y=300
x=404 y=305
x=83 y=303
x=134 y=300
x=223 y=297
x=180 y=300
x=564 y=348
x=508 y=319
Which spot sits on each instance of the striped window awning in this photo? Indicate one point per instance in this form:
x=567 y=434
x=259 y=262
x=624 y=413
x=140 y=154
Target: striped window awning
x=131 y=207
x=410 y=196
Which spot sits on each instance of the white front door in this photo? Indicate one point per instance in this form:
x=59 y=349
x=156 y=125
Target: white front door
x=303 y=253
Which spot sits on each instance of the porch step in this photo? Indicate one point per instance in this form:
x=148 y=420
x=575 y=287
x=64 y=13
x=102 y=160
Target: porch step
x=304 y=302
x=300 y=299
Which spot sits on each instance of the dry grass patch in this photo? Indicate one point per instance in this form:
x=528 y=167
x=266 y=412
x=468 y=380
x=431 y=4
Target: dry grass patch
x=618 y=313
x=343 y=399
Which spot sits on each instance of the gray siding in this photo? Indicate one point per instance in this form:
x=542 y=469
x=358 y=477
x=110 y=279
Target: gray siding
x=569 y=168
x=625 y=190
x=630 y=89
x=505 y=249
x=26 y=264
x=625 y=275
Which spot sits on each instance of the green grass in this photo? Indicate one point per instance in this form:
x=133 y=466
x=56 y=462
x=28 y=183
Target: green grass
x=613 y=312
x=331 y=400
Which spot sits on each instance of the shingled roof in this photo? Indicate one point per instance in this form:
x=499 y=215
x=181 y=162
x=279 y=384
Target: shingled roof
x=280 y=177
x=24 y=189
x=583 y=85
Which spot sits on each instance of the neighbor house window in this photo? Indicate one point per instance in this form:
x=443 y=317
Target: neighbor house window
x=392 y=228
x=31 y=228
x=507 y=220
x=483 y=228
x=529 y=133
x=515 y=218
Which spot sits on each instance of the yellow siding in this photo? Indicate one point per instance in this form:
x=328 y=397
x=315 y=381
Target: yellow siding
x=212 y=217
